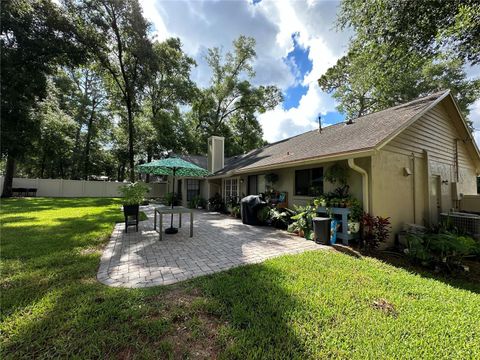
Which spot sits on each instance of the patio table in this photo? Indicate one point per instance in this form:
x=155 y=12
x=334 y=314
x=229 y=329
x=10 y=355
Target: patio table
x=161 y=210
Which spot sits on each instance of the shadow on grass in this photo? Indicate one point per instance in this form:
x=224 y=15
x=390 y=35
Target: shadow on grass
x=260 y=312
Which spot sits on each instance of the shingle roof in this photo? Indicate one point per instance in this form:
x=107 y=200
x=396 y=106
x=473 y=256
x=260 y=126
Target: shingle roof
x=199 y=160
x=365 y=133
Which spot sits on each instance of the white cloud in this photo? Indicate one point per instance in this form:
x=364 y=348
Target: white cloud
x=204 y=24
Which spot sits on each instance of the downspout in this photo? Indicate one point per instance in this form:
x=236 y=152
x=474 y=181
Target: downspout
x=414 y=190
x=353 y=166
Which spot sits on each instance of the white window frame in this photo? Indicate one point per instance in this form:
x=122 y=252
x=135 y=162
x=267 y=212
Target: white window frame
x=231 y=188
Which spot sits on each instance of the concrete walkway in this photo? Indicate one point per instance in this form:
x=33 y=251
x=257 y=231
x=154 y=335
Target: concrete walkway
x=219 y=242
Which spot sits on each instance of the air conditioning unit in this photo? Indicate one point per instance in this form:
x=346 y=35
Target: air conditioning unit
x=464 y=222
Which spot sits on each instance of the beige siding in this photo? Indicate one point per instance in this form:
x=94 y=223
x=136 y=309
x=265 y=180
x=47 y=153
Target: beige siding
x=286 y=181
x=436 y=133
x=427 y=148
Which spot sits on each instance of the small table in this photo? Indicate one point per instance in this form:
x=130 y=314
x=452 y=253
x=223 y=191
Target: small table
x=161 y=210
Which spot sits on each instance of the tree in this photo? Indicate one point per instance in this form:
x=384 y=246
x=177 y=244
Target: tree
x=168 y=87
x=169 y=83
x=55 y=141
x=367 y=80
x=87 y=102
x=423 y=26
x=123 y=50
x=36 y=38
x=246 y=133
x=231 y=92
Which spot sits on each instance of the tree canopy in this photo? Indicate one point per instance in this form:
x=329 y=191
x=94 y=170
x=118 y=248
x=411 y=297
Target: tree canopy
x=389 y=60
x=231 y=97
x=86 y=90
x=36 y=38
x=431 y=27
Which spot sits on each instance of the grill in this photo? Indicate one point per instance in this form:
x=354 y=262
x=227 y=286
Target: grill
x=464 y=222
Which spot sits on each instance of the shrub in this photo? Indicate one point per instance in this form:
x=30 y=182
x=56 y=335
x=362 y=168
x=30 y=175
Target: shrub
x=304 y=220
x=235 y=211
x=133 y=194
x=281 y=218
x=193 y=202
x=263 y=215
x=169 y=198
x=196 y=202
x=442 y=249
x=376 y=230
x=216 y=203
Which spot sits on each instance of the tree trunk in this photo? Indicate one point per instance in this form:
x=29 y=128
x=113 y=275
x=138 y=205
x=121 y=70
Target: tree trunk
x=8 y=181
x=149 y=158
x=42 y=167
x=131 y=153
x=87 y=144
x=76 y=149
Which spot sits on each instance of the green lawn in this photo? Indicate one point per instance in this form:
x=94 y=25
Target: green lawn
x=313 y=305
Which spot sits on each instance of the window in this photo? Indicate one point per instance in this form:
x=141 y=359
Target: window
x=309 y=182
x=253 y=185
x=231 y=189
x=193 y=188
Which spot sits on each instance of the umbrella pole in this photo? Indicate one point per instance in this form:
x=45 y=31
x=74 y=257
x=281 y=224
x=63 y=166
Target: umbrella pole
x=173 y=199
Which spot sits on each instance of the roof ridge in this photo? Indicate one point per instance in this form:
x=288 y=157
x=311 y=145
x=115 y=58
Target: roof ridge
x=344 y=122
x=405 y=103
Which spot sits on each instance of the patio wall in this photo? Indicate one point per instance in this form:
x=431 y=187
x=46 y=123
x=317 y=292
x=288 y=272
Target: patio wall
x=78 y=188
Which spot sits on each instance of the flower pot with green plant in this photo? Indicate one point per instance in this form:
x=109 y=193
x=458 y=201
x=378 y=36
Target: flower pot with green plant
x=321 y=201
x=132 y=196
x=355 y=216
x=304 y=220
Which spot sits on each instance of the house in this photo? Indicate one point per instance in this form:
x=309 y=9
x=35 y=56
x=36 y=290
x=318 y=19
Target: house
x=409 y=162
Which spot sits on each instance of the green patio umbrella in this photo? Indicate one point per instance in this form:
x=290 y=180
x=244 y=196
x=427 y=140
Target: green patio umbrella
x=173 y=167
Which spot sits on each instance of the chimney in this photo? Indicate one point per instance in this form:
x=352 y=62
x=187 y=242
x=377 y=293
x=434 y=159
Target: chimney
x=319 y=123
x=216 y=151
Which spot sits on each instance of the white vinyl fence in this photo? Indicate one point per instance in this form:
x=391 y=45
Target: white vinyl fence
x=78 y=188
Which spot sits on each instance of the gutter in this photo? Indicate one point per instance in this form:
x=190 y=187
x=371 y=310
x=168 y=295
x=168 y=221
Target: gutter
x=355 y=167
x=301 y=162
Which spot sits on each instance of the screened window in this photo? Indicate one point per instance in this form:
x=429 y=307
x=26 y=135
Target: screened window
x=193 y=188
x=309 y=182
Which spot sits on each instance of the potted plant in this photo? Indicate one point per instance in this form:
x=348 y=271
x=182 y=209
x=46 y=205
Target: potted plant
x=202 y=203
x=133 y=195
x=355 y=217
x=303 y=219
x=271 y=179
x=321 y=201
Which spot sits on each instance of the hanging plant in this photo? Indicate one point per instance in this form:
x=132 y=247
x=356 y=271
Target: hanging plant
x=271 y=178
x=336 y=174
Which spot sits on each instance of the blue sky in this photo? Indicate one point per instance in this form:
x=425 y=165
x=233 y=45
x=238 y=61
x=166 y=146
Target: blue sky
x=296 y=44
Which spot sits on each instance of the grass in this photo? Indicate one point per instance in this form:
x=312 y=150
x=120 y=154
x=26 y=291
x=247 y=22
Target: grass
x=313 y=305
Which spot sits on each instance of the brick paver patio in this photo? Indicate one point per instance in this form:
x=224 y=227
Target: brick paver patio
x=219 y=242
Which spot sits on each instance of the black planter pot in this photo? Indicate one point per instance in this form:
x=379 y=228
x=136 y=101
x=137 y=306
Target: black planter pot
x=131 y=216
x=130 y=210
